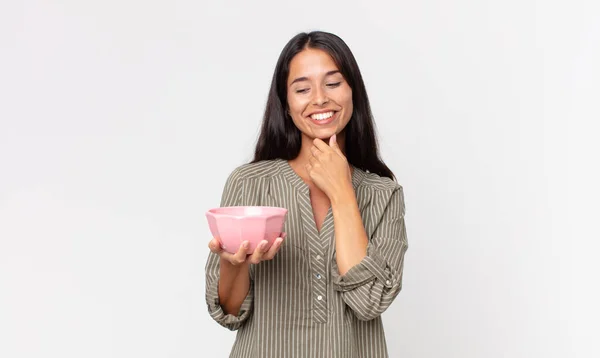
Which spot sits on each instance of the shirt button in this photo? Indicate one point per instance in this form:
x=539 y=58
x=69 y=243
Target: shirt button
x=318 y=276
x=387 y=282
x=318 y=257
x=319 y=297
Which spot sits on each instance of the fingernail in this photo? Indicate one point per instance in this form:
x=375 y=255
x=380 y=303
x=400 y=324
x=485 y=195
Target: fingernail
x=245 y=244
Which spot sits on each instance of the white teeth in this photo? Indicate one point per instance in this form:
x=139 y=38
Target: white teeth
x=322 y=116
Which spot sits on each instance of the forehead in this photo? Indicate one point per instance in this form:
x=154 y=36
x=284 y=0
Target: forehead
x=311 y=63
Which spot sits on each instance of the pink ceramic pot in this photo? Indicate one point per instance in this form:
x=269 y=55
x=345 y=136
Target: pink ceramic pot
x=236 y=224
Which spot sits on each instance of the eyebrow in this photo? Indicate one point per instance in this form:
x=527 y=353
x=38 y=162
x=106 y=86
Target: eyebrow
x=300 y=79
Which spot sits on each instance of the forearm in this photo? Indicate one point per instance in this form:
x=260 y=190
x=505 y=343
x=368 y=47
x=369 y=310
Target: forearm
x=369 y=287
x=234 y=284
x=350 y=236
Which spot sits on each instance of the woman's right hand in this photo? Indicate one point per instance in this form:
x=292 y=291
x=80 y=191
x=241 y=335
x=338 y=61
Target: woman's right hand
x=262 y=252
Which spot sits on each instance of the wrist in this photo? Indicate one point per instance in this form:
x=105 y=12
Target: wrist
x=232 y=270
x=343 y=197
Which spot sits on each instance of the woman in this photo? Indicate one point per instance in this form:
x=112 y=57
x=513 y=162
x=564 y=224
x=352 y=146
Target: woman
x=321 y=291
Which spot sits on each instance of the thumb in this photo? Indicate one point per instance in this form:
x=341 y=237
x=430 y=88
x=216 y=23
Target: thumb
x=333 y=142
x=334 y=145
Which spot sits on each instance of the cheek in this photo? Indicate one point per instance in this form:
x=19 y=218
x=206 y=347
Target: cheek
x=297 y=105
x=344 y=97
x=295 y=109
x=348 y=104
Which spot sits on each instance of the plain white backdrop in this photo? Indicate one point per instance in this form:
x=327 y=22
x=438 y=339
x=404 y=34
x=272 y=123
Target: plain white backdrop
x=120 y=121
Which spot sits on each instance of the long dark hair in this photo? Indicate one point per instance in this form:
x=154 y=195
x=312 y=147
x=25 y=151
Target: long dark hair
x=280 y=139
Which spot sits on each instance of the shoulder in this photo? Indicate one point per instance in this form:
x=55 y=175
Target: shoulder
x=262 y=169
x=379 y=196
x=381 y=192
x=374 y=182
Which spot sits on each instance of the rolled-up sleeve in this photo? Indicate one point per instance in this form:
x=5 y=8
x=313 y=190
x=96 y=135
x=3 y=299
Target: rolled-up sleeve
x=215 y=310
x=231 y=196
x=370 y=286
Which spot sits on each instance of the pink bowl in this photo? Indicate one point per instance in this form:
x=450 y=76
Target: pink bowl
x=236 y=224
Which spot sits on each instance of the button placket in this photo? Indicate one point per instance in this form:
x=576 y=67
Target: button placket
x=320 y=285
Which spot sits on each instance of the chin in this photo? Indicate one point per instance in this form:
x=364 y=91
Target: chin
x=324 y=136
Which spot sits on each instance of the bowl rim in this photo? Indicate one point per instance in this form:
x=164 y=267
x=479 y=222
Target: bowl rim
x=283 y=211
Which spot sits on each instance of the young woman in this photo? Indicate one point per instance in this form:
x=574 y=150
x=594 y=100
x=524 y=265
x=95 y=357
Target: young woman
x=319 y=291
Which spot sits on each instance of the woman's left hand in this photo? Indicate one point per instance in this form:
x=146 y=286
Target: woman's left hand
x=328 y=168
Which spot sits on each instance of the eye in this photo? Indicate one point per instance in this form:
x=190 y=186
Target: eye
x=333 y=85
x=302 y=90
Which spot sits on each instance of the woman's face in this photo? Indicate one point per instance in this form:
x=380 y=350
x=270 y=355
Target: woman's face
x=318 y=96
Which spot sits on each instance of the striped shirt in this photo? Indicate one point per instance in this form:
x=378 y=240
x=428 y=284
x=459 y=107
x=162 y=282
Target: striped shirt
x=298 y=305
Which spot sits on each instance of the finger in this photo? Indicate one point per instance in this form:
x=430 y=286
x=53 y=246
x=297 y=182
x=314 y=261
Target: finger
x=224 y=255
x=315 y=151
x=315 y=163
x=261 y=249
x=322 y=146
x=274 y=248
x=241 y=255
x=308 y=167
x=215 y=246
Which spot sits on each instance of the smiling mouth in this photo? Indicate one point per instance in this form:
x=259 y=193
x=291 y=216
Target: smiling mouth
x=322 y=116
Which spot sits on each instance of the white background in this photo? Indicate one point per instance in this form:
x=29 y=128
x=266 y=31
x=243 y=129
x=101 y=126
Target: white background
x=120 y=121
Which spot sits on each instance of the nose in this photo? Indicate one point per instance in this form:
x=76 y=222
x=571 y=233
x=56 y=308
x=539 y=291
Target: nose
x=320 y=98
